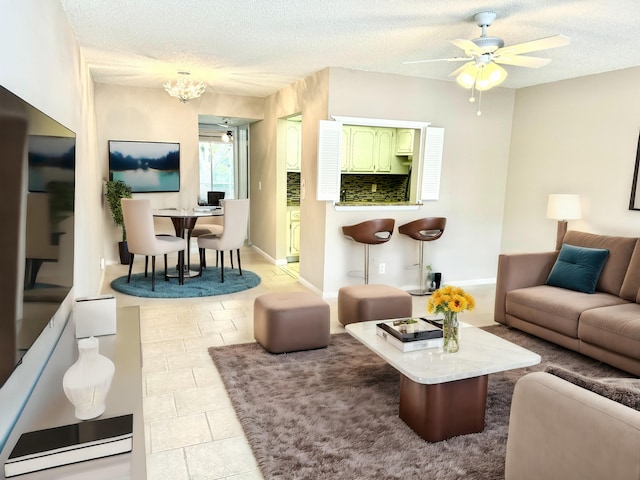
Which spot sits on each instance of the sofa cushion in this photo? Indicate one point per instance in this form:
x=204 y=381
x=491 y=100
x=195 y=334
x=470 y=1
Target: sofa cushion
x=631 y=285
x=578 y=268
x=621 y=390
x=555 y=308
x=620 y=250
x=614 y=328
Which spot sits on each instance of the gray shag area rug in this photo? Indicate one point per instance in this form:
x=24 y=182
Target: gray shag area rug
x=333 y=413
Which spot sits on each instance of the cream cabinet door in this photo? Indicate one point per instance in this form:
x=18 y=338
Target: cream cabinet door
x=294 y=144
x=384 y=149
x=404 y=141
x=362 y=150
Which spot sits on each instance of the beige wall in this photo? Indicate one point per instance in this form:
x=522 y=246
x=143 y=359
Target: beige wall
x=149 y=114
x=474 y=170
x=575 y=136
x=268 y=170
x=41 y=63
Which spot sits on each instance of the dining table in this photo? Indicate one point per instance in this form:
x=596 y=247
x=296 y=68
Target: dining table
x=184 y=221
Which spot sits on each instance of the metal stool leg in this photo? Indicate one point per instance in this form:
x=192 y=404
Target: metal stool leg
x=366 y=263
x=424 y=290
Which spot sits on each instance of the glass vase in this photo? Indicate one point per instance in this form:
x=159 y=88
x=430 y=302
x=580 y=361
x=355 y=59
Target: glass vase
x=451 y=332
x=87 y=382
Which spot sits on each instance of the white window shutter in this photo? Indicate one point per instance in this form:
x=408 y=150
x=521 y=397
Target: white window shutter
x=329 y=155
x=432 y=164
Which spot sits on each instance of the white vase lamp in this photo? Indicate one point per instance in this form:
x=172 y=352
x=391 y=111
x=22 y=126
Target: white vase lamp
x=563 y=207
x=87 y=382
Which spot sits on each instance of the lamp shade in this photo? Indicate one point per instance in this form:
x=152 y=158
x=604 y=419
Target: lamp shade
x=564 y=206
x=480 y=75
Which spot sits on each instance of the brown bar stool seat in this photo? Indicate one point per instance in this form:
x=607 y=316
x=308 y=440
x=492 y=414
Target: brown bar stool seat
x=370 y=232
x=291 y=321
x=362 y=303
x=423 y=230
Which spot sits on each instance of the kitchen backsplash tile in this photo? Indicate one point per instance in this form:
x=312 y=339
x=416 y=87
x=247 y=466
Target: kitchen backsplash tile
x=293 y=188
x=389 y=188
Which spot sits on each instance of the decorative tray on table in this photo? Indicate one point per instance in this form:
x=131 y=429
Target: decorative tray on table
x=412 y=329
x=411 y=334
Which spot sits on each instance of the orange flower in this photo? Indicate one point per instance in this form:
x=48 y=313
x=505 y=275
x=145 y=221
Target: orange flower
x=450 y=299
x=458 y=303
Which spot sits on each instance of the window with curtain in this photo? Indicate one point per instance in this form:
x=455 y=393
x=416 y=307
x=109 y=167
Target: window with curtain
x=217 y=168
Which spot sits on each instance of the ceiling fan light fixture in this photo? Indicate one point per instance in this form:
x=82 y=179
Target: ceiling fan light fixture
x=184 y=89
x=467 y=77
x=490 y=76
x=227 y=137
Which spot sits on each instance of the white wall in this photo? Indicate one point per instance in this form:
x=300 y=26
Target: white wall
x=575 y=136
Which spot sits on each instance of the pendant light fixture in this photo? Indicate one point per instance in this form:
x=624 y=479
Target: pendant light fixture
x=184 y=89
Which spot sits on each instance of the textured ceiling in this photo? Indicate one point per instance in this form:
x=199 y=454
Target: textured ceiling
x=256 y=47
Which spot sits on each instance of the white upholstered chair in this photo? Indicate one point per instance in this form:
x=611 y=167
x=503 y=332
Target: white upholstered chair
x=206 y=226
x=142 y=239
x=234 y=232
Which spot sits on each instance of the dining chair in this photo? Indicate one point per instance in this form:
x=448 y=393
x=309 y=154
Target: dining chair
x=142 y=239
x=234 y=231
x=213 y=198
x=206 y=226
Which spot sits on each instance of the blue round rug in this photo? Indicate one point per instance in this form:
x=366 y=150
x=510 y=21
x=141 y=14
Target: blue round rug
x=205 y=286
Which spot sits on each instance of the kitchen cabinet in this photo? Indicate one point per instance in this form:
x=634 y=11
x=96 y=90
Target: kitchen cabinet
x=294 y=146
x=293 y=237
x=404 y=141
x=367 y=149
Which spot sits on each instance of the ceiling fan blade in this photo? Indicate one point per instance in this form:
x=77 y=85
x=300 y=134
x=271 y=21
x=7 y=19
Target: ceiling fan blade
x=468 y=46
x=452 y=59
x=534 y=45
x=521 y=61
x=458 y=70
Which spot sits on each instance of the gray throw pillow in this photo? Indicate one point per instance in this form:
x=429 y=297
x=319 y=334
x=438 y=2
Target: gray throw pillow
x=622 y=390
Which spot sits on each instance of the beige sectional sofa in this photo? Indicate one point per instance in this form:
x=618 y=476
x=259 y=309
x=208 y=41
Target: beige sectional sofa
x=559 y=430
x=604 y=325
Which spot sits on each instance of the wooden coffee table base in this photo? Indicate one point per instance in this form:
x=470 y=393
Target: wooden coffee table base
x=444 y=410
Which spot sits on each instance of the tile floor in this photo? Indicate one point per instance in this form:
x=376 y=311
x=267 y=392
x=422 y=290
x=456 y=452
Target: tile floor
x=191 y=430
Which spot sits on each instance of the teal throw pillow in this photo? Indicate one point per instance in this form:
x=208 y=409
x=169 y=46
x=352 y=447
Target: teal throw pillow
x=578 y=268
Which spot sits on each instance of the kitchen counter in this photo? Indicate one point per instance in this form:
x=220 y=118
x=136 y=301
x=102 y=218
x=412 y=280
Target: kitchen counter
x=354 y=206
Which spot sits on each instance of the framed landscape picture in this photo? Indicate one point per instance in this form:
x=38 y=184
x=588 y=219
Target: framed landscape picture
x=145 y=166
x=634 y=203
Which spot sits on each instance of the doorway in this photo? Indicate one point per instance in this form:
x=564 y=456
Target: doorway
x=293 y=163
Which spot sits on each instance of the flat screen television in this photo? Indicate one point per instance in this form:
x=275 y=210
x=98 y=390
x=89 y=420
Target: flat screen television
x=145 y=166
x=37 y=187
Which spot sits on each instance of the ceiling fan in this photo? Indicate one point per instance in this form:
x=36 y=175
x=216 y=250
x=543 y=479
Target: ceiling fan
x=228 y=135
x=485 y=54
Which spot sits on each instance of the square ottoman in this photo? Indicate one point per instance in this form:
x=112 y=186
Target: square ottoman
x=288 y=322
x=361 y=303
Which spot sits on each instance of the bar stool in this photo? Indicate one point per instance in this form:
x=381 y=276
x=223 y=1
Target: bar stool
x=423 y=230
x=370 y=232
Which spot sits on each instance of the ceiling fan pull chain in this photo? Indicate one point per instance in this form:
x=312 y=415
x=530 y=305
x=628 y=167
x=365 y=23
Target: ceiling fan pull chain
x=479 y=112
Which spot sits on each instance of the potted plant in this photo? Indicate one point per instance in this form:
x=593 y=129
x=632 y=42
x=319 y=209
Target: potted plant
x=117 y=189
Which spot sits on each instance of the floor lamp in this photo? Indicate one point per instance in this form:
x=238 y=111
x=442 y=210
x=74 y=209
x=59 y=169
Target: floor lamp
x=563 y=207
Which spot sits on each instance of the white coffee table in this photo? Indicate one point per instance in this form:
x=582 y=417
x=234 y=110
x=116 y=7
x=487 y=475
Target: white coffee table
x=443 y=395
